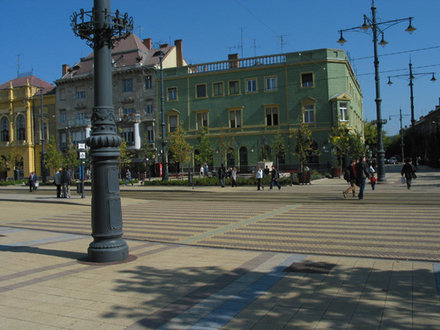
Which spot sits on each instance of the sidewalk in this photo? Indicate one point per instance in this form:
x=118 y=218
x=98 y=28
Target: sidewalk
x=180 y=284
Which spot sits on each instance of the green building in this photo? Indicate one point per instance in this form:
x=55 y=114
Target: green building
x=245 y=104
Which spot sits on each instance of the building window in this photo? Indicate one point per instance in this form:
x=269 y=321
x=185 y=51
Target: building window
x=201 y=91
x=78 y=137
x=251 y=86
x=128 y=135
x=127 y=85
x=62 y=116
x=271 y=83
x=307 y=79
x=21 y=128
x=150 y=135
x=217 y=89
x=234 y=118
x=149 y=107
x=172 y=120
x=271 y=116
x=172 y=94
x=62 y=94
x=128 y=111
x=148 y=82
x=4 y=129
x=202 y=120
x=80 y=94
x=234 y=87
x=308 y=113
x=343 y=115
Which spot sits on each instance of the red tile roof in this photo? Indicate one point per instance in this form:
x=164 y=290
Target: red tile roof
x=127 y=52
x=33 y=81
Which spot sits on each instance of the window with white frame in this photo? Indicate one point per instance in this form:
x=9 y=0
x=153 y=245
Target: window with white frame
x=271 y=116
x=234 y=118
x=202 y=120
x=343 y=114
x=172 y=94
x=148 y=82
x=149 y=107
x=271 y=83
x=172 y=120
x=128 y=135
x=149 y=134
x=308 y=113
x=251 y=85
x=127 y=85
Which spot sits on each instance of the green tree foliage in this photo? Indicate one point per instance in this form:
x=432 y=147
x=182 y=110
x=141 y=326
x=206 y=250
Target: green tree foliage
x=126 y=156
x=54 y=157
x=225 y=144
x=178 y=146
x=303 y=143
x=278 y=145
x=71 y=159
x=204 y=147
x=370 y=135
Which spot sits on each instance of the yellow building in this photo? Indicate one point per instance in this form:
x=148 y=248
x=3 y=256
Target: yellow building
x=21 y=119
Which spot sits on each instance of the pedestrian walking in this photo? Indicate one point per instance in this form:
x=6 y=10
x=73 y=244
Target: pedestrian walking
x=350 y=177
x=35 y=181
x=275 y=178
x=128 y=178
x=409 y=172
x=57 y=182
x=206 y=169
x=259 y=176
x=66 y=177
x=222 y=175
x=373 y=181
x=234 y=177
x=202 y=170
x=362 y=174
x=31 y=181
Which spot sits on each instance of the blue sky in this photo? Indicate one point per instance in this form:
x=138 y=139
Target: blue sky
x=37 y=36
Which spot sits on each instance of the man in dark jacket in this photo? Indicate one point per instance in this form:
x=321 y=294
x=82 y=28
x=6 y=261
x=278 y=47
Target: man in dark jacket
x=222 y=175
x=409 y=172
x=362 y=174
x=275 y=177
x=350 y=177
x=66 y=177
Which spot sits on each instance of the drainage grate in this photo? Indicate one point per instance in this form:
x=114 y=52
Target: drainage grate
x=310 y=267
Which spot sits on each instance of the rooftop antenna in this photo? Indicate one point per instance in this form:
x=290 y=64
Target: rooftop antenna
x=254 y=46
x=282 y=41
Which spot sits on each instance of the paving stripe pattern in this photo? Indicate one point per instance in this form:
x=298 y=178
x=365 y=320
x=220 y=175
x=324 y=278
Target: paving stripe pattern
x=350 y=229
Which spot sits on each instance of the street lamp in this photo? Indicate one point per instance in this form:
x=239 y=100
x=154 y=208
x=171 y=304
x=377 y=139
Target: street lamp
x=161 y=55
x=101 y=29
x=411 y=77
x=377 y=28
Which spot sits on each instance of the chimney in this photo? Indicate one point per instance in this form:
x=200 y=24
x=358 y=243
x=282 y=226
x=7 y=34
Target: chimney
x=65 y=69
x=147 y=43
x=233 y=61
x=179 y=52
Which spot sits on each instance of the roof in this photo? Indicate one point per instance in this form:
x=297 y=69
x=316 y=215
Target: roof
x=128 y=52
x=33 y=81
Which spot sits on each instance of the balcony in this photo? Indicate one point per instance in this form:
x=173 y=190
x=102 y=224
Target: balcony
x=237 y=63
x=129 y=118
x=78 y=123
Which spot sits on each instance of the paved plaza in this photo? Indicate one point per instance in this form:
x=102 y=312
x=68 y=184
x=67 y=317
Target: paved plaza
x=234 y=258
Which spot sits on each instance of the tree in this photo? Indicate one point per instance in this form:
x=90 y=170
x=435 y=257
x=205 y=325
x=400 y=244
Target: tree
x=54 y=157
x=340 y=139
x=126 y=156
x=178 y=146
x=204 y=147
x=278 y=146
x=303 y=143
x=71 y=159
x=225 y=144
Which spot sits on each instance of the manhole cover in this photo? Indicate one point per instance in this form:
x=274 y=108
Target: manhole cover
x=310 y=267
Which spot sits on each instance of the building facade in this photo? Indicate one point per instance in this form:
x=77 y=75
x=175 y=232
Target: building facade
x=26 y=105
x=135 y=65
x=248 y=103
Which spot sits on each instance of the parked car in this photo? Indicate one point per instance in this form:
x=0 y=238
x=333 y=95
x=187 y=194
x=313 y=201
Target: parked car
x=392 y=160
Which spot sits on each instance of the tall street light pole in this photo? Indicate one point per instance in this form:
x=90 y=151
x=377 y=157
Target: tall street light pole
x=102 y=29
x=161 y=55
x=377 y=28
x=43 y=160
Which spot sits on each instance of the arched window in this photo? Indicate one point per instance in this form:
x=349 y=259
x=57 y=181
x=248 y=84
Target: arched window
x=21 y=128
x=243 y=159
x=4 y=127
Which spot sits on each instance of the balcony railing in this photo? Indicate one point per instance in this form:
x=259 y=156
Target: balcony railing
x=237 y=63
x=79 y=123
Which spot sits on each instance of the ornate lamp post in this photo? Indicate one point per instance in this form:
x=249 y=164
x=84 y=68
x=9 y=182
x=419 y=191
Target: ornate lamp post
x=377 y=28
x=102 y=29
